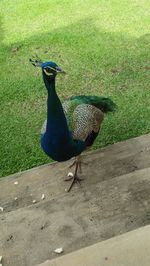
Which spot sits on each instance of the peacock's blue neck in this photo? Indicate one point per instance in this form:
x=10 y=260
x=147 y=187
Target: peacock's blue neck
x=57 y=141
x=56 y=121
x=53 y=102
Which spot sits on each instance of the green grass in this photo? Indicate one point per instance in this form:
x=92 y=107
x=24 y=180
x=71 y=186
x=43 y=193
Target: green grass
x=102 y=45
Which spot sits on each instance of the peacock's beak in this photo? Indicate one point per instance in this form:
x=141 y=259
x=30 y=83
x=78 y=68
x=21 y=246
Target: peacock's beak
x=60 y=70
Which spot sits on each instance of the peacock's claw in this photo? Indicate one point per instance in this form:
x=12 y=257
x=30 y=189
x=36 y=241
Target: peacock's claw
x=68 y=178
x=75 y=179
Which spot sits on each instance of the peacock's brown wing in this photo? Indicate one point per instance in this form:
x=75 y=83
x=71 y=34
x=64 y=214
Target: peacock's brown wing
x=84 y=121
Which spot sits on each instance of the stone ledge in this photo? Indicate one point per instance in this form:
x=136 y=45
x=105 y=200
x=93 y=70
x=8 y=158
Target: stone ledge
x=130 y=249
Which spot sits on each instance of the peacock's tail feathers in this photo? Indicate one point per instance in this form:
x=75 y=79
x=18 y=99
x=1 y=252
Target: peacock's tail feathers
x=104 y=104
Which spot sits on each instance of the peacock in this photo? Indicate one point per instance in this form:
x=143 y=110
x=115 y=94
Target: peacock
x=72 y=126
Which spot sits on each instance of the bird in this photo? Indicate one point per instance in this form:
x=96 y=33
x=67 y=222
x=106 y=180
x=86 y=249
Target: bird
x=71 y=127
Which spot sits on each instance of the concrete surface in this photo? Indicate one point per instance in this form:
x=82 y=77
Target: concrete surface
x=114 y=198
x=130 y=249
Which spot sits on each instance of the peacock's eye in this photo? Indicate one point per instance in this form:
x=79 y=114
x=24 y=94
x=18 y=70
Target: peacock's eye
x=48 y=71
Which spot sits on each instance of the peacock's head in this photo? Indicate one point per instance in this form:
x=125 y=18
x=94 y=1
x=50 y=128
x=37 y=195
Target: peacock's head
x=49 y=69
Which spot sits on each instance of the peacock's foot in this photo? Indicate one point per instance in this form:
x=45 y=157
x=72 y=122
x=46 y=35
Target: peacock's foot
x=75 y=179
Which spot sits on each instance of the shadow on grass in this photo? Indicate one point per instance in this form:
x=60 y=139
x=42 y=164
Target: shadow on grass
x=86 y=42
x=92 y=57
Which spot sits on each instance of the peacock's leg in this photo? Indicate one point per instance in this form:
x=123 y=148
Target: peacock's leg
x=79 y=162
x=75 y=177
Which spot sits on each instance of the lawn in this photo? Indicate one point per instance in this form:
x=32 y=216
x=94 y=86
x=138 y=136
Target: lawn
x=104 y=48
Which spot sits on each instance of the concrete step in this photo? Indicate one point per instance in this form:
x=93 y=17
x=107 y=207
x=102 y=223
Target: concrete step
x=130 y=249
x=30 y=235
x=114 y=198
x=115 y=160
